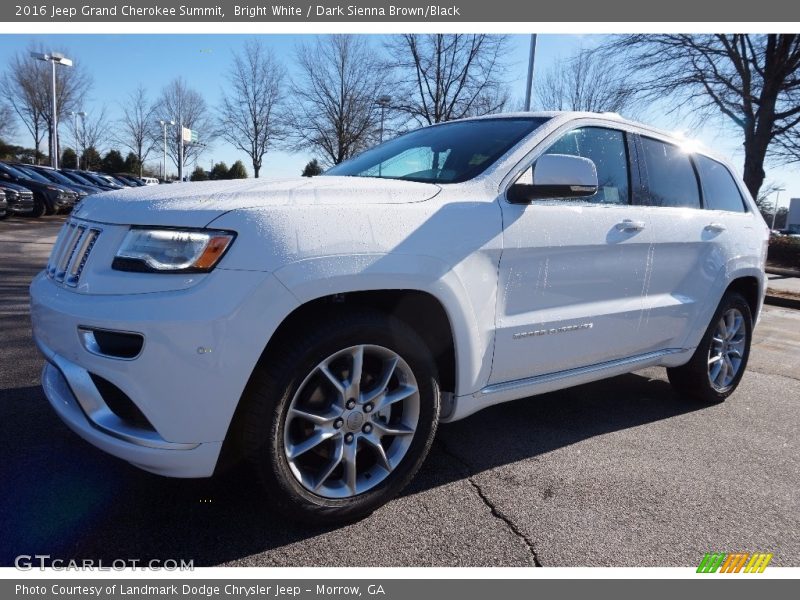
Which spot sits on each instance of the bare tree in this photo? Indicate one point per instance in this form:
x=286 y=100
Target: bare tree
x=584 y=82
x=336 y=115
x=137 y=130
x=749 y=81
x=249 y=112
x=21 y=89
x=27 y=89
x=185 y=106
x=93 y=131
x=8 y=125
x=442 y=77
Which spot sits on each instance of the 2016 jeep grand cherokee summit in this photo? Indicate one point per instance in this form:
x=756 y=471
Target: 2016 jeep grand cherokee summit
x=323 y=327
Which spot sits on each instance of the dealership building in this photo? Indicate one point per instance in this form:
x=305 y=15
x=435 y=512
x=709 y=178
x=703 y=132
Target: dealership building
x=793 y=218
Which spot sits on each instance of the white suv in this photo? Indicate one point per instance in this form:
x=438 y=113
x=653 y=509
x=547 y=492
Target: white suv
x=323 y=327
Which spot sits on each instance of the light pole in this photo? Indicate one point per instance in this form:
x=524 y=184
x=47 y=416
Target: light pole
x=775 y=212
x=165 y=124
x=53 y=58
x=531 y=60
x=78 y=140
x=383 y=102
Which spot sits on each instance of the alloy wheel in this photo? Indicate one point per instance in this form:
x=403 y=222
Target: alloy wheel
x=727 y=349
x=351 y=421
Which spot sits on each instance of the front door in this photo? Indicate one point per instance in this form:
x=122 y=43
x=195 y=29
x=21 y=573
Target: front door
x=573 y=272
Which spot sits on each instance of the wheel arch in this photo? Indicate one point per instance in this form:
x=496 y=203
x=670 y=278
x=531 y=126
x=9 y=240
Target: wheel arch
x=443 y=324
x=749 y=287
x=746 y=280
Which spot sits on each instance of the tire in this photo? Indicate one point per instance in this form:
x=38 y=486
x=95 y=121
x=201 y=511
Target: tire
x=725 y=346
x=314 y=485
x=39 y=207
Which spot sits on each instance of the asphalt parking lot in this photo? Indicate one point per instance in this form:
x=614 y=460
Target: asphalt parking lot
x=623 y=472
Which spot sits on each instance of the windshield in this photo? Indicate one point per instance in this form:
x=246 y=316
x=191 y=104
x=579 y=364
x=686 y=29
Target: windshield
x=95 y=178
x=446 y=153
x=54 y=176
x=31 y=174
x=77 y=178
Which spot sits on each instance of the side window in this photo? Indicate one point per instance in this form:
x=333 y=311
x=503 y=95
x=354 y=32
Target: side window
x=607 y=149
x=720 y=191
x=671 y=180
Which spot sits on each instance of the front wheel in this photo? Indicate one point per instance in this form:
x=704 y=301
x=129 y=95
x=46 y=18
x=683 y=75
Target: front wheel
x=39 y=207
x=338 y=421
x=717 y=366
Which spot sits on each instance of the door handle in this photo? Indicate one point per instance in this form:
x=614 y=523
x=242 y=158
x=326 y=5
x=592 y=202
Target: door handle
x=630 y=225
x=718 y=227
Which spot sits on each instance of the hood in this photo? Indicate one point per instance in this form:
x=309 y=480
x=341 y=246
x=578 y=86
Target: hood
x=13 y=186
x=197 y=204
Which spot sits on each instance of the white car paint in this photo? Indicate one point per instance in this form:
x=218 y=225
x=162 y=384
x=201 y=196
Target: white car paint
x=624 y=299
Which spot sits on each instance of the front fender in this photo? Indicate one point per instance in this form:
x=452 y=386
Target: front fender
x=469 y=306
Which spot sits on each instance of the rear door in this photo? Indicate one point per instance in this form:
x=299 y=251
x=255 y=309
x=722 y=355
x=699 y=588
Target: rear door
x=572 y=271
x=689 y=243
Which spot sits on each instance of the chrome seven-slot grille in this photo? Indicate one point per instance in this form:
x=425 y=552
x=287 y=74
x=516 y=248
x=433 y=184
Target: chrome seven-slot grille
x=71 y=252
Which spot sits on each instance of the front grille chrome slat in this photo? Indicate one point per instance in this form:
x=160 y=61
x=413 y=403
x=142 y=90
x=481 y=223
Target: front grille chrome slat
x=70 y=253
x=80 y=257
x=65 y=252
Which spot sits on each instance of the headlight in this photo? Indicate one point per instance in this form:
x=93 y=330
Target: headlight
x=172 y=250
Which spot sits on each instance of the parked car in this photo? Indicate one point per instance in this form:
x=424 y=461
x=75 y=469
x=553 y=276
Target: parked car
x=48 y=198
x=128 y=179
x=92 y=178
x=56 y=176
x=19 y=198
x=323 y=327
x=36 y=175
x=76 y=177
x=3 y=205
x=150 y=180
x=111 y=180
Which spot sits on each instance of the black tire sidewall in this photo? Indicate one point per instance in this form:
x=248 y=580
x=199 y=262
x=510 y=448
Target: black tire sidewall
x=282 y=383
x=39 y=207
x=693 y=377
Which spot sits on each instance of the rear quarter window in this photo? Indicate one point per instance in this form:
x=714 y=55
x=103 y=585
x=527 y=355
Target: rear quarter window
x=720 y=191
x=671 y=180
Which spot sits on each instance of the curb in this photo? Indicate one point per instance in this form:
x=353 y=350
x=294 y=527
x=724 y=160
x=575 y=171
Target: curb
x=782 y=302
x=783 y=272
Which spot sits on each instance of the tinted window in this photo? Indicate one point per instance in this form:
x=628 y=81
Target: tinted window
x=12 y=171
x=606 y=149
x=720 y=191
x=446 y=153
x=671 y=180
x=31 y=174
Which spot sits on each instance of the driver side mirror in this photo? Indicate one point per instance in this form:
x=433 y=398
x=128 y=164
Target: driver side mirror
x=555 y=176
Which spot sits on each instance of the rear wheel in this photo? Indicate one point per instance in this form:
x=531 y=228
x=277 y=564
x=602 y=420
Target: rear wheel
x=339 y=421
x=717 y=366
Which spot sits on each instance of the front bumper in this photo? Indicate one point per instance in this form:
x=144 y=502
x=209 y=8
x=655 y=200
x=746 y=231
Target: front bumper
x=187 y=396
x=84 y=411
x=20 y=205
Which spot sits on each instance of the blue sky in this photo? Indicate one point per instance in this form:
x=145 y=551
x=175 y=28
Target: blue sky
x=119 y=63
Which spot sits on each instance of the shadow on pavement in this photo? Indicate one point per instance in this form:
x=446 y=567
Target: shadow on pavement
x=67 y=499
